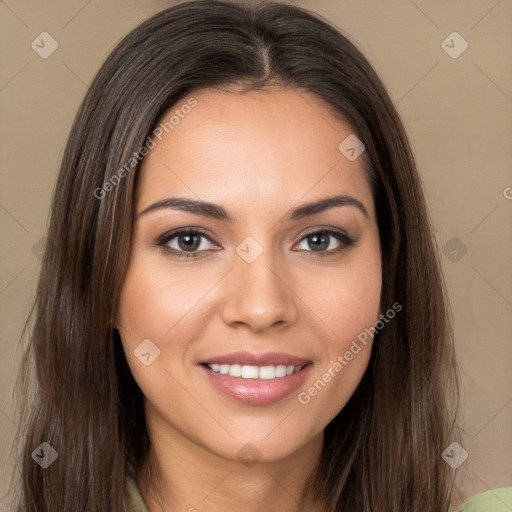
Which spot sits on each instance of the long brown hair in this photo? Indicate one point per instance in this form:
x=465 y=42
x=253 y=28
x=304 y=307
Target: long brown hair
x=382 y=452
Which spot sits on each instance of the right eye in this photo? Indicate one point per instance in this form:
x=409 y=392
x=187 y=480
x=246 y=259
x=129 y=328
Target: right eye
x=186 y=242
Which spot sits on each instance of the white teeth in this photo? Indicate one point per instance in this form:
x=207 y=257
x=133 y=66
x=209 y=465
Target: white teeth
x=281 y=371
x=250 y=372
x=235 y=370
x=267 y=372
x=254 y=372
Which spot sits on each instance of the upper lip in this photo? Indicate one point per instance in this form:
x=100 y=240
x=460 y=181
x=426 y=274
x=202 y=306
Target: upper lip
x=247 y=358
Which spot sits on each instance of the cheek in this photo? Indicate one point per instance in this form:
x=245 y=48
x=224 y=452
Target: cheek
x=160 y=305
x=153 y=300
x=148 y=308
x=346 y=297
x=138 y=307
x=348 y=305
x=152 y=307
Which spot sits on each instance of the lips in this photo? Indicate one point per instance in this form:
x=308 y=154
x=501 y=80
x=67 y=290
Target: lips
x=256 y=388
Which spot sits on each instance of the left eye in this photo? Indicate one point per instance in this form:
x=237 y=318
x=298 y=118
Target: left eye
x=327 y=240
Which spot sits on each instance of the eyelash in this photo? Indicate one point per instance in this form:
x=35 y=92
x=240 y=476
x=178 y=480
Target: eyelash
x=163 y=240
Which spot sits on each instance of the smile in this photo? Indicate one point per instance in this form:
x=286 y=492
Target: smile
x=254 y=372
x=255 y=385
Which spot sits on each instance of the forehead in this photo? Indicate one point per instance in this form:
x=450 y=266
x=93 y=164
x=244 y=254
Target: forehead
x=254 y=148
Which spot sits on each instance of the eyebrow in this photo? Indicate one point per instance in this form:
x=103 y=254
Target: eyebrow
x=215 y=211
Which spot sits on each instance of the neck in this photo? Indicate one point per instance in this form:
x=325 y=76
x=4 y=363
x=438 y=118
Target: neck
x=179 y=475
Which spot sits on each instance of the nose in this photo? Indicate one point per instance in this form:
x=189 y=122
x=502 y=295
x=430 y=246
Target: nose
x=259 y=295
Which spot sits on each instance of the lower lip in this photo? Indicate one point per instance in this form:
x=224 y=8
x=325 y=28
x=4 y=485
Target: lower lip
x=257 y=391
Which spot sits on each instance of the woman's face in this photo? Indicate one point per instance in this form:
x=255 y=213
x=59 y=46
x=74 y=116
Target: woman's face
x=287 y=286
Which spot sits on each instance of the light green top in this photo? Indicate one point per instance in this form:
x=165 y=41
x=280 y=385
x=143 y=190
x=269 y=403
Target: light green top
x=136 y=502
x=494 y=500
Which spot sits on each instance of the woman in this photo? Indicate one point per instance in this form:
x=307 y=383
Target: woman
x=240 y=304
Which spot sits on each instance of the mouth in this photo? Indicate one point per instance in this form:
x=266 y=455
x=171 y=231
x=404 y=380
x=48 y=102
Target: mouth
x=256 y=379
x=268 y=372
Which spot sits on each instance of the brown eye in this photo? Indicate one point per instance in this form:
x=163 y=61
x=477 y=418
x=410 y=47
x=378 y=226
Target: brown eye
x=325 y=242
x=319 y=241
x=188 y=242
x=185 y=242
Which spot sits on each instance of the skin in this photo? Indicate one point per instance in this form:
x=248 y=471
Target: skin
x=259 y=155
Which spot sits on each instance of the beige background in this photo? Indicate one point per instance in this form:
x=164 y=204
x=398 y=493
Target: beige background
x=458 y=113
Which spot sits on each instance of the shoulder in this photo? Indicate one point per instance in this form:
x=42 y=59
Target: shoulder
x=134 y=497
x=493 y=500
